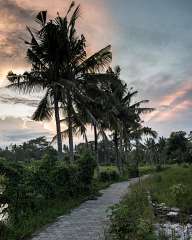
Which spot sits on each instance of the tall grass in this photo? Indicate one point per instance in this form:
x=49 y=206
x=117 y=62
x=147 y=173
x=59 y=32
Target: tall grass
x=133 y=218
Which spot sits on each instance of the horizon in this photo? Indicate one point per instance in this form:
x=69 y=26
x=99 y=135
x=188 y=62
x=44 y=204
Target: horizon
x=151 y=41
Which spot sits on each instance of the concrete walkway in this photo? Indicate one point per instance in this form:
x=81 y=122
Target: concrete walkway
x=87 y=222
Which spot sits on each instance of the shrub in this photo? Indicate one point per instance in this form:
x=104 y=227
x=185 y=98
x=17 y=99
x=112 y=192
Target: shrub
x=133 y=171
x=109 y=175
x=65 y=179
x=28 y=188
x=86 y=164
x=158 y=168
x=132 y=218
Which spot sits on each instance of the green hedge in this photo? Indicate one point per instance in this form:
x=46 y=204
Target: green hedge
x=29 y=189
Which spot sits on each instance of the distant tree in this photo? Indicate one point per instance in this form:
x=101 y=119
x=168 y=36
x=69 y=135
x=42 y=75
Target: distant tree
x=177 y=146
x=33 y=149
x=162 y=150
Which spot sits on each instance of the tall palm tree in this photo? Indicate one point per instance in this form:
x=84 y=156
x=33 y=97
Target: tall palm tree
x=59 y=64
x=122 y=113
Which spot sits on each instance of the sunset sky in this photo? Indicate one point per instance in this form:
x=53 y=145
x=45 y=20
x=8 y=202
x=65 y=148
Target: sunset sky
x=151 y=41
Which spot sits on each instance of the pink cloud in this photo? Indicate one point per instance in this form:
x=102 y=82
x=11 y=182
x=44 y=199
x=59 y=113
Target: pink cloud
x=169 y=99
x=172 y=106
x=174 y=112
x=95 y=21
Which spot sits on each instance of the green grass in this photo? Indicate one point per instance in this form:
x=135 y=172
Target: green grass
x=173 y=187
x=133 y=218
x=147 y=169
x=108 y=168
x=104 y=168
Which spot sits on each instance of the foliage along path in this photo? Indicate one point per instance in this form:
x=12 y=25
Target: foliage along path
x=88 y=221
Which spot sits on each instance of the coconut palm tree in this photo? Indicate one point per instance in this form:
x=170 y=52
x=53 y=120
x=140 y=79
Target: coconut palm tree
x=122 y=113
x=59 y=64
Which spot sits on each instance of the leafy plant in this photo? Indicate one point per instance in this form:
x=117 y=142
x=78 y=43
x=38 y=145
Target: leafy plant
x=132 y=218
x=109 y=175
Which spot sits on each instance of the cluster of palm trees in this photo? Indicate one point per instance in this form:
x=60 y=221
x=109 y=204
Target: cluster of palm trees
x=78 y=90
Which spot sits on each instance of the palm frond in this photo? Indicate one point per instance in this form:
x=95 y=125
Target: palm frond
x=138 y=104
x=70 y=7
x=128 y=97
x=64 y=134
x=26 y=83
x=97 y=62
x=74 y=17
x=44 y=110
x=147 y=131
x=41 y=18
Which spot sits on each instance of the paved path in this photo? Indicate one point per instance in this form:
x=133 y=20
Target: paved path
x=87 y=221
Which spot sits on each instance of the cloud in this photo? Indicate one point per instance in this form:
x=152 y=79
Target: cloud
x=16 y=10
x=17 y=130
x=15 y=15
x=8 y=96
x=14 y=18
x=15 y=100
x=174 y=105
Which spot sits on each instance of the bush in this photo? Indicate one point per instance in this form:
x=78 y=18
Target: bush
x=158 y=168
x=146 y=169
x=132 y=218
x=133 y=171
x=66 y=181
x=28 y=188
x=86 y=164
x=109 y=175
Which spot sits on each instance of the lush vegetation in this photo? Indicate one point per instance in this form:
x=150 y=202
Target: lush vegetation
x=177 y=148
x=32 y=189
x=79 y=91
x=173 y=187
x=134 y=217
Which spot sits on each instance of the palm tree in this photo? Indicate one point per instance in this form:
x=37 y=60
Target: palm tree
x=93 y=111
x=59 y=64
x=150 y=147
x=137 y=135
x=122 y=114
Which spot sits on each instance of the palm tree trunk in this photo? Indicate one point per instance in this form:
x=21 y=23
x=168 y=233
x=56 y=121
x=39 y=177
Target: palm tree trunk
x=126 y=152
x=137 y=158
x=121 y=153
x=117 y=151
x=58 y=126
x=70 y=128
x=86 y=141
x=96 y=149
x=107 y=160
